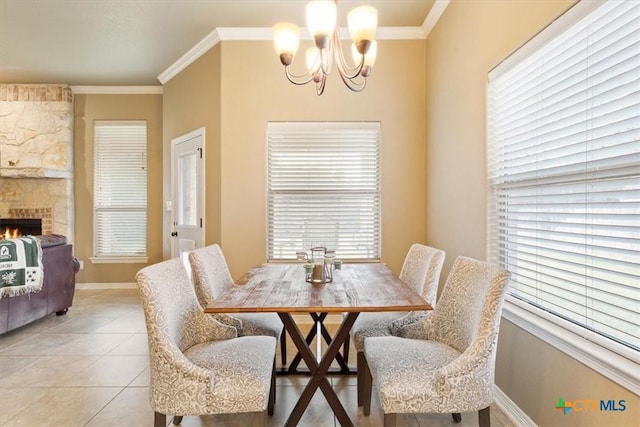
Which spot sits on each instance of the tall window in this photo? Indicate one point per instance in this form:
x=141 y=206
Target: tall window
x=324 y=189
x=564 y=171
x=120 y=189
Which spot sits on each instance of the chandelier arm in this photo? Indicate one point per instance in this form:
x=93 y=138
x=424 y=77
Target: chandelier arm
x=317 y=64
x=344 y=69
x=352 y=84
x=326 y=57
x=306 y=78
x=321 y=84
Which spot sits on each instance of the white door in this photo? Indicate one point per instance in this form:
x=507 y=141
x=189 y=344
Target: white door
x=187 y=183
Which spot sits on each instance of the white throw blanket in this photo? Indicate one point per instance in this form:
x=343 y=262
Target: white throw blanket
x=20 y=266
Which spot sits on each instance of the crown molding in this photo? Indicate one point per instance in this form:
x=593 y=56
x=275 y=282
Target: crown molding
x=246 y=33
x=397 y=33
x=210 y=40
x=117 y=90
x=265 y=33
x=434 y=15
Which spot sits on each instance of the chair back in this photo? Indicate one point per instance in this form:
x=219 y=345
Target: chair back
x=211 y=276
x=421 y=270
x=470 y=304
x=175 y=320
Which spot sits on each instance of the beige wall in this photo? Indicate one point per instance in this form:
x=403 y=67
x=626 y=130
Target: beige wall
x=222 y=92
x=88 y=108
x=253 y=96
x=470 y=39
x=192 y=101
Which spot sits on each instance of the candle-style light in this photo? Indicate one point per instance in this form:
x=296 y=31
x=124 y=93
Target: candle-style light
x=327 y=49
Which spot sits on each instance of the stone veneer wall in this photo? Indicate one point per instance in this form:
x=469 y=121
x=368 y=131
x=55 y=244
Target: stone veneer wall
x=39 y=198
x=36 y=131
x=36 y=155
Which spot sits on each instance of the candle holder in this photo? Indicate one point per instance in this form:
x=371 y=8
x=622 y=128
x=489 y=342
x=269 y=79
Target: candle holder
x=319 y=268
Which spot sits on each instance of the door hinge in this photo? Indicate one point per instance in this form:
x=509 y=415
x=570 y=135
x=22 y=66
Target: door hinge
x=200 y=222
x=200 y=151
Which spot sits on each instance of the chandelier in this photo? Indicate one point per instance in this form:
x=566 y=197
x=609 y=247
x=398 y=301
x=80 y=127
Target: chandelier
x=327 y=48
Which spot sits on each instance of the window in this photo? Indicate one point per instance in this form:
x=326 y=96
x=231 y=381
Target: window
x=324 y=189
x=564 y=173
x=120 y=190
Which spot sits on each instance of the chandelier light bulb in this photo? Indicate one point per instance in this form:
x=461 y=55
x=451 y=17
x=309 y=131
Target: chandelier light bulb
x=313 y=60
x=369 y=57
x=286 y=38
x=362 y=23
x=321 y=21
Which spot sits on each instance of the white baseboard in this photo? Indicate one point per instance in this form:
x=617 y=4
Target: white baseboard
x=510 y=409
x=85 y=286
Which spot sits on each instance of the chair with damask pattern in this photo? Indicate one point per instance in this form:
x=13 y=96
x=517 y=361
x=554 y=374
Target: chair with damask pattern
x=199 y=366
x=211 y=277
x=444 y=362
x=421 y=271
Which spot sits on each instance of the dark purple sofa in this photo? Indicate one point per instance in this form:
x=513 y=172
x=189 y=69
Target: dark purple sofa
x=56 y=296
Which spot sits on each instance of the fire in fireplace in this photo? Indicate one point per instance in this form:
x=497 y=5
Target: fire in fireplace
x=16 y=227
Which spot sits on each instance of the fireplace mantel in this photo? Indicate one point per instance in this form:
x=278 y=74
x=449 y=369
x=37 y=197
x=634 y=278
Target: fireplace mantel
x=14 y=172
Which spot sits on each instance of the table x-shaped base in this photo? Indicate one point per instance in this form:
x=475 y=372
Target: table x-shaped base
x=318 y=323
x=318 y=370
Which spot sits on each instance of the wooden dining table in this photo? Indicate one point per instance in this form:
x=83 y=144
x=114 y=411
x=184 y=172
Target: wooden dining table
x=282 y=289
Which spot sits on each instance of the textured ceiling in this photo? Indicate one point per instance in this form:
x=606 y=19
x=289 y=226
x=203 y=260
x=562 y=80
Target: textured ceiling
x=130 y=42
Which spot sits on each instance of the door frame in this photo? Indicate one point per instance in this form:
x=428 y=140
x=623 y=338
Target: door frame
x=172 y=218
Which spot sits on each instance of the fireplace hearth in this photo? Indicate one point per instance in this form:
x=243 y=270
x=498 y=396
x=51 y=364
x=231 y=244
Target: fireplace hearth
x=14 y=227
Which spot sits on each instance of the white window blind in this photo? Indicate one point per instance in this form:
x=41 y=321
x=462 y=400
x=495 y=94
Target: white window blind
x=564 y=171
x=324 y=189
x=120 y=189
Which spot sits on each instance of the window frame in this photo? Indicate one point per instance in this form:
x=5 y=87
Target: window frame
x=119 y=258
x=613 y=360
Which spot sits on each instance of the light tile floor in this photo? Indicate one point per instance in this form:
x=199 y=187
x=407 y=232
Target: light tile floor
x=90 y=368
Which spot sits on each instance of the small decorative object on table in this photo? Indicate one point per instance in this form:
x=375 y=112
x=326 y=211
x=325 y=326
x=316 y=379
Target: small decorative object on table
x=319 y=267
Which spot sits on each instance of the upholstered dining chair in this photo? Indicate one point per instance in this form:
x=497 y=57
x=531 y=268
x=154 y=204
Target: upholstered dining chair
x=197 y=365
x=211 y=277
x=444 y=362
x=421 y=271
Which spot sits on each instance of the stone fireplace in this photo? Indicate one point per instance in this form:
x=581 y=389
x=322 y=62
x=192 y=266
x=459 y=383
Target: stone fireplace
x=36 y=155
x=26 y=222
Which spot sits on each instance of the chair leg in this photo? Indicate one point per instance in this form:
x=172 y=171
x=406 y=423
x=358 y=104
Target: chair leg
x=360 y=377
x=389 y=420
x=484 y=417
x=159 y=420
x=177 y=419
x=457 y=417
x=283 y=346
x=272 y=391
x=345 y=350
x=367 y=385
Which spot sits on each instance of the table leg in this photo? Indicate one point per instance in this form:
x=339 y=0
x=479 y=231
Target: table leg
x=318 y=319
x=293 y=367
x=318 y=370
x=327 y=337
